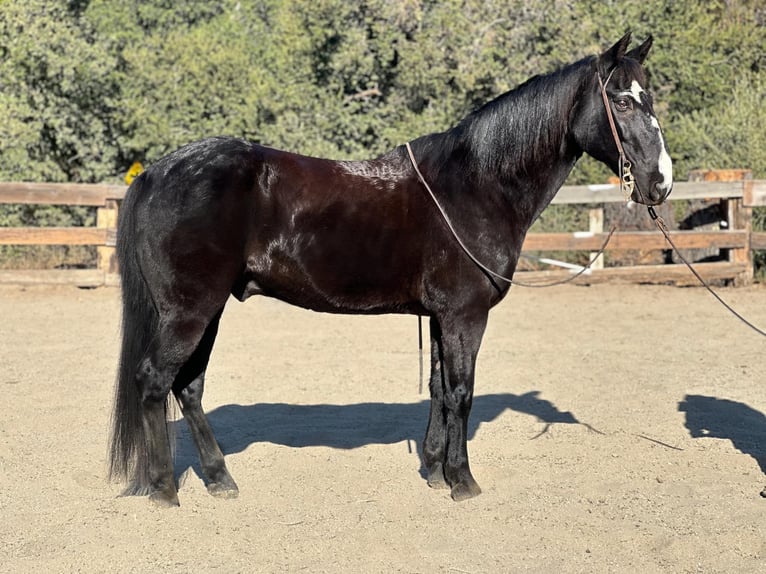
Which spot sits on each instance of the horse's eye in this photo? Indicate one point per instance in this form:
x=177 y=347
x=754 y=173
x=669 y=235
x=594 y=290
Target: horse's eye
x=622 y=104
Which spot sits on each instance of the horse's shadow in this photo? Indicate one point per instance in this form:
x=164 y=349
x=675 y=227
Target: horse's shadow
x=345 y=426
x=712 y=417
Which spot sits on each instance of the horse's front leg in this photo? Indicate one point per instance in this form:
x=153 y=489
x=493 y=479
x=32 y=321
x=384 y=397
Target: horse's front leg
x=459 y=338
x=435 y=443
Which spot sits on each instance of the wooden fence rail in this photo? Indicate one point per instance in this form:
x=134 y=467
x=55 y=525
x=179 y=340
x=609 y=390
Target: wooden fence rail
x=738 y=238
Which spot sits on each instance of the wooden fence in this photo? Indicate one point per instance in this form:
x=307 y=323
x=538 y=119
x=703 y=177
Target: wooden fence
x=738 y=198
x=105 y=198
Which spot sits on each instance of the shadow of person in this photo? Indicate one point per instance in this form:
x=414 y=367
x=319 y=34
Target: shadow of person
x=713 y=417
x=346 y=426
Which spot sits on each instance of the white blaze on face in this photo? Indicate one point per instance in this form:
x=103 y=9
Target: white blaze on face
x=664 y=164
x=635 y=91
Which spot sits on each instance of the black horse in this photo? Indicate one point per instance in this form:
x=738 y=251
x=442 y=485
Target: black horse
x=225 y=216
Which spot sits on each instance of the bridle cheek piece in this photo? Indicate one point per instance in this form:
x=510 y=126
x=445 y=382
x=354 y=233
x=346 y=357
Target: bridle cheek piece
x=627 y=181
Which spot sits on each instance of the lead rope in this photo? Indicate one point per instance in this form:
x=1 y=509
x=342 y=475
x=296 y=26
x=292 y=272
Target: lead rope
x=661 y=225
x=664 y=229
x=627 y=183
x=420 y=350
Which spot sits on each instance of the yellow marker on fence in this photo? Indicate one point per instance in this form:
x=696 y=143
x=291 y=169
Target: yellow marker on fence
x=135 y=170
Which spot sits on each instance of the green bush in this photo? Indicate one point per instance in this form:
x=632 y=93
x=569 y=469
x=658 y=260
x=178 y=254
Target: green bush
x=89 y=87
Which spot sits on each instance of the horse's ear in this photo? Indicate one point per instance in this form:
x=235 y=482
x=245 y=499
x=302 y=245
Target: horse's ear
x=613 y=55
x=641 y=52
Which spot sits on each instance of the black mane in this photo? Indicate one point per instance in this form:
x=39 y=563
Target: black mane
x=517 y=130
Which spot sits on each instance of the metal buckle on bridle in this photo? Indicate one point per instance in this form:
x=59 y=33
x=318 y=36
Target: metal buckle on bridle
x=627 y=181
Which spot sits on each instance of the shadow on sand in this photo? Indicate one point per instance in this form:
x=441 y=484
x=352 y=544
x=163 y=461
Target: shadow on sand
x=346 y=426
x=712 y=417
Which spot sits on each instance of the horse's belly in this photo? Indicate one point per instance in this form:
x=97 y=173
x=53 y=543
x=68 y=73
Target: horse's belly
x=331 y=286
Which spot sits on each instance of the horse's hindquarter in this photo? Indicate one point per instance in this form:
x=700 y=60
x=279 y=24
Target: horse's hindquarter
x=335 y=236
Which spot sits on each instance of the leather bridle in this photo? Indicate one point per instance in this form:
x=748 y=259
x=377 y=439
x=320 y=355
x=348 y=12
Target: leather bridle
x=627 y=181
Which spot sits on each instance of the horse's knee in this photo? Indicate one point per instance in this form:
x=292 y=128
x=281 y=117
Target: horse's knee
x=458 y=400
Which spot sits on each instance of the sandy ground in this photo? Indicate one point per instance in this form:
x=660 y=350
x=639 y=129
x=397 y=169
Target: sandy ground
x=615 y=429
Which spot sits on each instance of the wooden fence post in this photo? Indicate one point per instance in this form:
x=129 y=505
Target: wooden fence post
x=740 y=217
x=596 y=225
x=106 y=218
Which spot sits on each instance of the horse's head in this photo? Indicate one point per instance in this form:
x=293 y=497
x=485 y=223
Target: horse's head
x=619 y=82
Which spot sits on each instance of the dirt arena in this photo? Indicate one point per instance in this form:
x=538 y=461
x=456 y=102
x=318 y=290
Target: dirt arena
x=615 y=429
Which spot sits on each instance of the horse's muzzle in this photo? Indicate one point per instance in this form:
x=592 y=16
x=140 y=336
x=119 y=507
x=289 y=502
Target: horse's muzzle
x=658 y=192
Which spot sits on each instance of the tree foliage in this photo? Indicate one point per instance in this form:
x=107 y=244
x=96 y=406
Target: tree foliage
x=89 y=86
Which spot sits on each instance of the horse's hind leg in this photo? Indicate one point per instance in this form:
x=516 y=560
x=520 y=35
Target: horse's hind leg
x=188 y=388
x=175 y=342
x=173 y=345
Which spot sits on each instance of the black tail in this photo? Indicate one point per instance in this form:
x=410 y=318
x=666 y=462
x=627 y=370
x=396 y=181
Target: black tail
x=128 y=453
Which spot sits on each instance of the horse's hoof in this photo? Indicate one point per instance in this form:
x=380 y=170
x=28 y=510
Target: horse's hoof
x=465 y=490
x=164 y=499
x=221 y=490
x=436 y=477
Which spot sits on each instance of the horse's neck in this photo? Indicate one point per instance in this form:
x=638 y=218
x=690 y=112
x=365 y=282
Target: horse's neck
x=522 y=145
x=522 y=173
x=535 y=190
